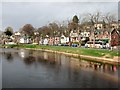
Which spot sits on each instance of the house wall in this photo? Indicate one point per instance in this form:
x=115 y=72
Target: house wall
x=64 y=39
x=115 y=39
x=57 y=40
x=74 y=39
x=21 y=40
x=46 y=41
x=99 y=26
x=51 y=41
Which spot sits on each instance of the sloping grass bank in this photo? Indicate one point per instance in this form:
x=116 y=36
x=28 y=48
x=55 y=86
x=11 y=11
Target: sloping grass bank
x=73 y=50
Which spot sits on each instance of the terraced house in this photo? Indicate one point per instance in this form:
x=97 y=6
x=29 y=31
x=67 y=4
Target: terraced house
x=115 y=38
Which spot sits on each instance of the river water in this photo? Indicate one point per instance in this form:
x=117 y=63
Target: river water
x=37 y=69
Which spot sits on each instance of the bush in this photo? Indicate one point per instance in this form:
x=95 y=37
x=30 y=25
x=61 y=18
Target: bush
x=75 y=43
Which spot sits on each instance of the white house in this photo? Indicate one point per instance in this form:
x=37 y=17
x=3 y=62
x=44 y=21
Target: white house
x=85 y=34
x=64 y=39
x=17 y=33
x=45 y=42
x=99 y=25
x=23 y=40
x=74 y=36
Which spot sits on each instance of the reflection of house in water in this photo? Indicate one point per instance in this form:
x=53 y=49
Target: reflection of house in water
x=77 y=64
x=45 y=54
x=9 y=56
x=109 y=68
x=74 y=63
x=23 y=53
x=29 y=60
x=47 y=57
x=52 y=58
x=58 y=59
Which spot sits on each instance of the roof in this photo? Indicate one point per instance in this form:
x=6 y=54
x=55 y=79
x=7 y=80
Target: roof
x=63 y=35
x=17 y=33
x=47 y=36
x=73 y=34
x=116 y=31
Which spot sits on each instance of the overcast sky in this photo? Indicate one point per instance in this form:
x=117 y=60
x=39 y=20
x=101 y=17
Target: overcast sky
x=17 y=14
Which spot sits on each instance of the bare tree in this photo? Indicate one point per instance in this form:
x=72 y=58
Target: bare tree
x=110 y=18
x=54 y=29
x=94 y=19
x=28 y=29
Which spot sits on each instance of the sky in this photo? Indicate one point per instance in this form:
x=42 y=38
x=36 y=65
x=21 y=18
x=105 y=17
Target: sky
x=17 y=14
x=119 y=10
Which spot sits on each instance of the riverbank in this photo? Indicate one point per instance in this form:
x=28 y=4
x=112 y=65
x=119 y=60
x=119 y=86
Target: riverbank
x=99 y=55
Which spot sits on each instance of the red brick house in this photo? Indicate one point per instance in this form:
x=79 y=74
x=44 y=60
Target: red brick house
x=54 y=40
x=51 y=41
x=57 y=40
x=115 y=38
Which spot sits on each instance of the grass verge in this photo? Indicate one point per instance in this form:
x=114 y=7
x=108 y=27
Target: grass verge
x=82 y=51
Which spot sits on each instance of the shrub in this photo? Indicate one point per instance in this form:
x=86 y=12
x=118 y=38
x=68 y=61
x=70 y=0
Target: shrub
x=75 y=43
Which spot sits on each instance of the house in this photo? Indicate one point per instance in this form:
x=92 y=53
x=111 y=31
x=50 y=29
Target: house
x=17 y=36
x=17 y=33
x=57 y=40
x=64 y=39
x=115 y=24
x=84 y=37
x=51 y=40
x=115 y=38
x=74 y=36
x=85 y=34
x=24 y=40
x=36 y=38
x=99 y=25
x=46 y=40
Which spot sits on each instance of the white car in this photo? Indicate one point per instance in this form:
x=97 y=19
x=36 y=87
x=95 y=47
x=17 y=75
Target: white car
x=98 y=44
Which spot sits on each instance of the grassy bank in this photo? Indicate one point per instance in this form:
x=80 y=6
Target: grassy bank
x=81 y=51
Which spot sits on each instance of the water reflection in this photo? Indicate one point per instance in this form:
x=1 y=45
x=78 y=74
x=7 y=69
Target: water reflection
x=58 y=69
x=29 y=60
x=29 y=57
x=54 y=59
x=8 y=56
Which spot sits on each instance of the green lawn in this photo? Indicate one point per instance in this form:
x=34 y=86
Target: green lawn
x=74 y=50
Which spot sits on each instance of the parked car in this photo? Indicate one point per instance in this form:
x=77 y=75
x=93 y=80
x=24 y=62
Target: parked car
x=98 y=44
x=64 y=45
x=74 y=45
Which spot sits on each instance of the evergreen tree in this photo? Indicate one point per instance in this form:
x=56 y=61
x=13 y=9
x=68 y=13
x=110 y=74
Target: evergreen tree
x=9 y=31
x=75 y=19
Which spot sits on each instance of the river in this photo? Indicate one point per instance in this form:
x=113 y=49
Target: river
x=37 y=69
